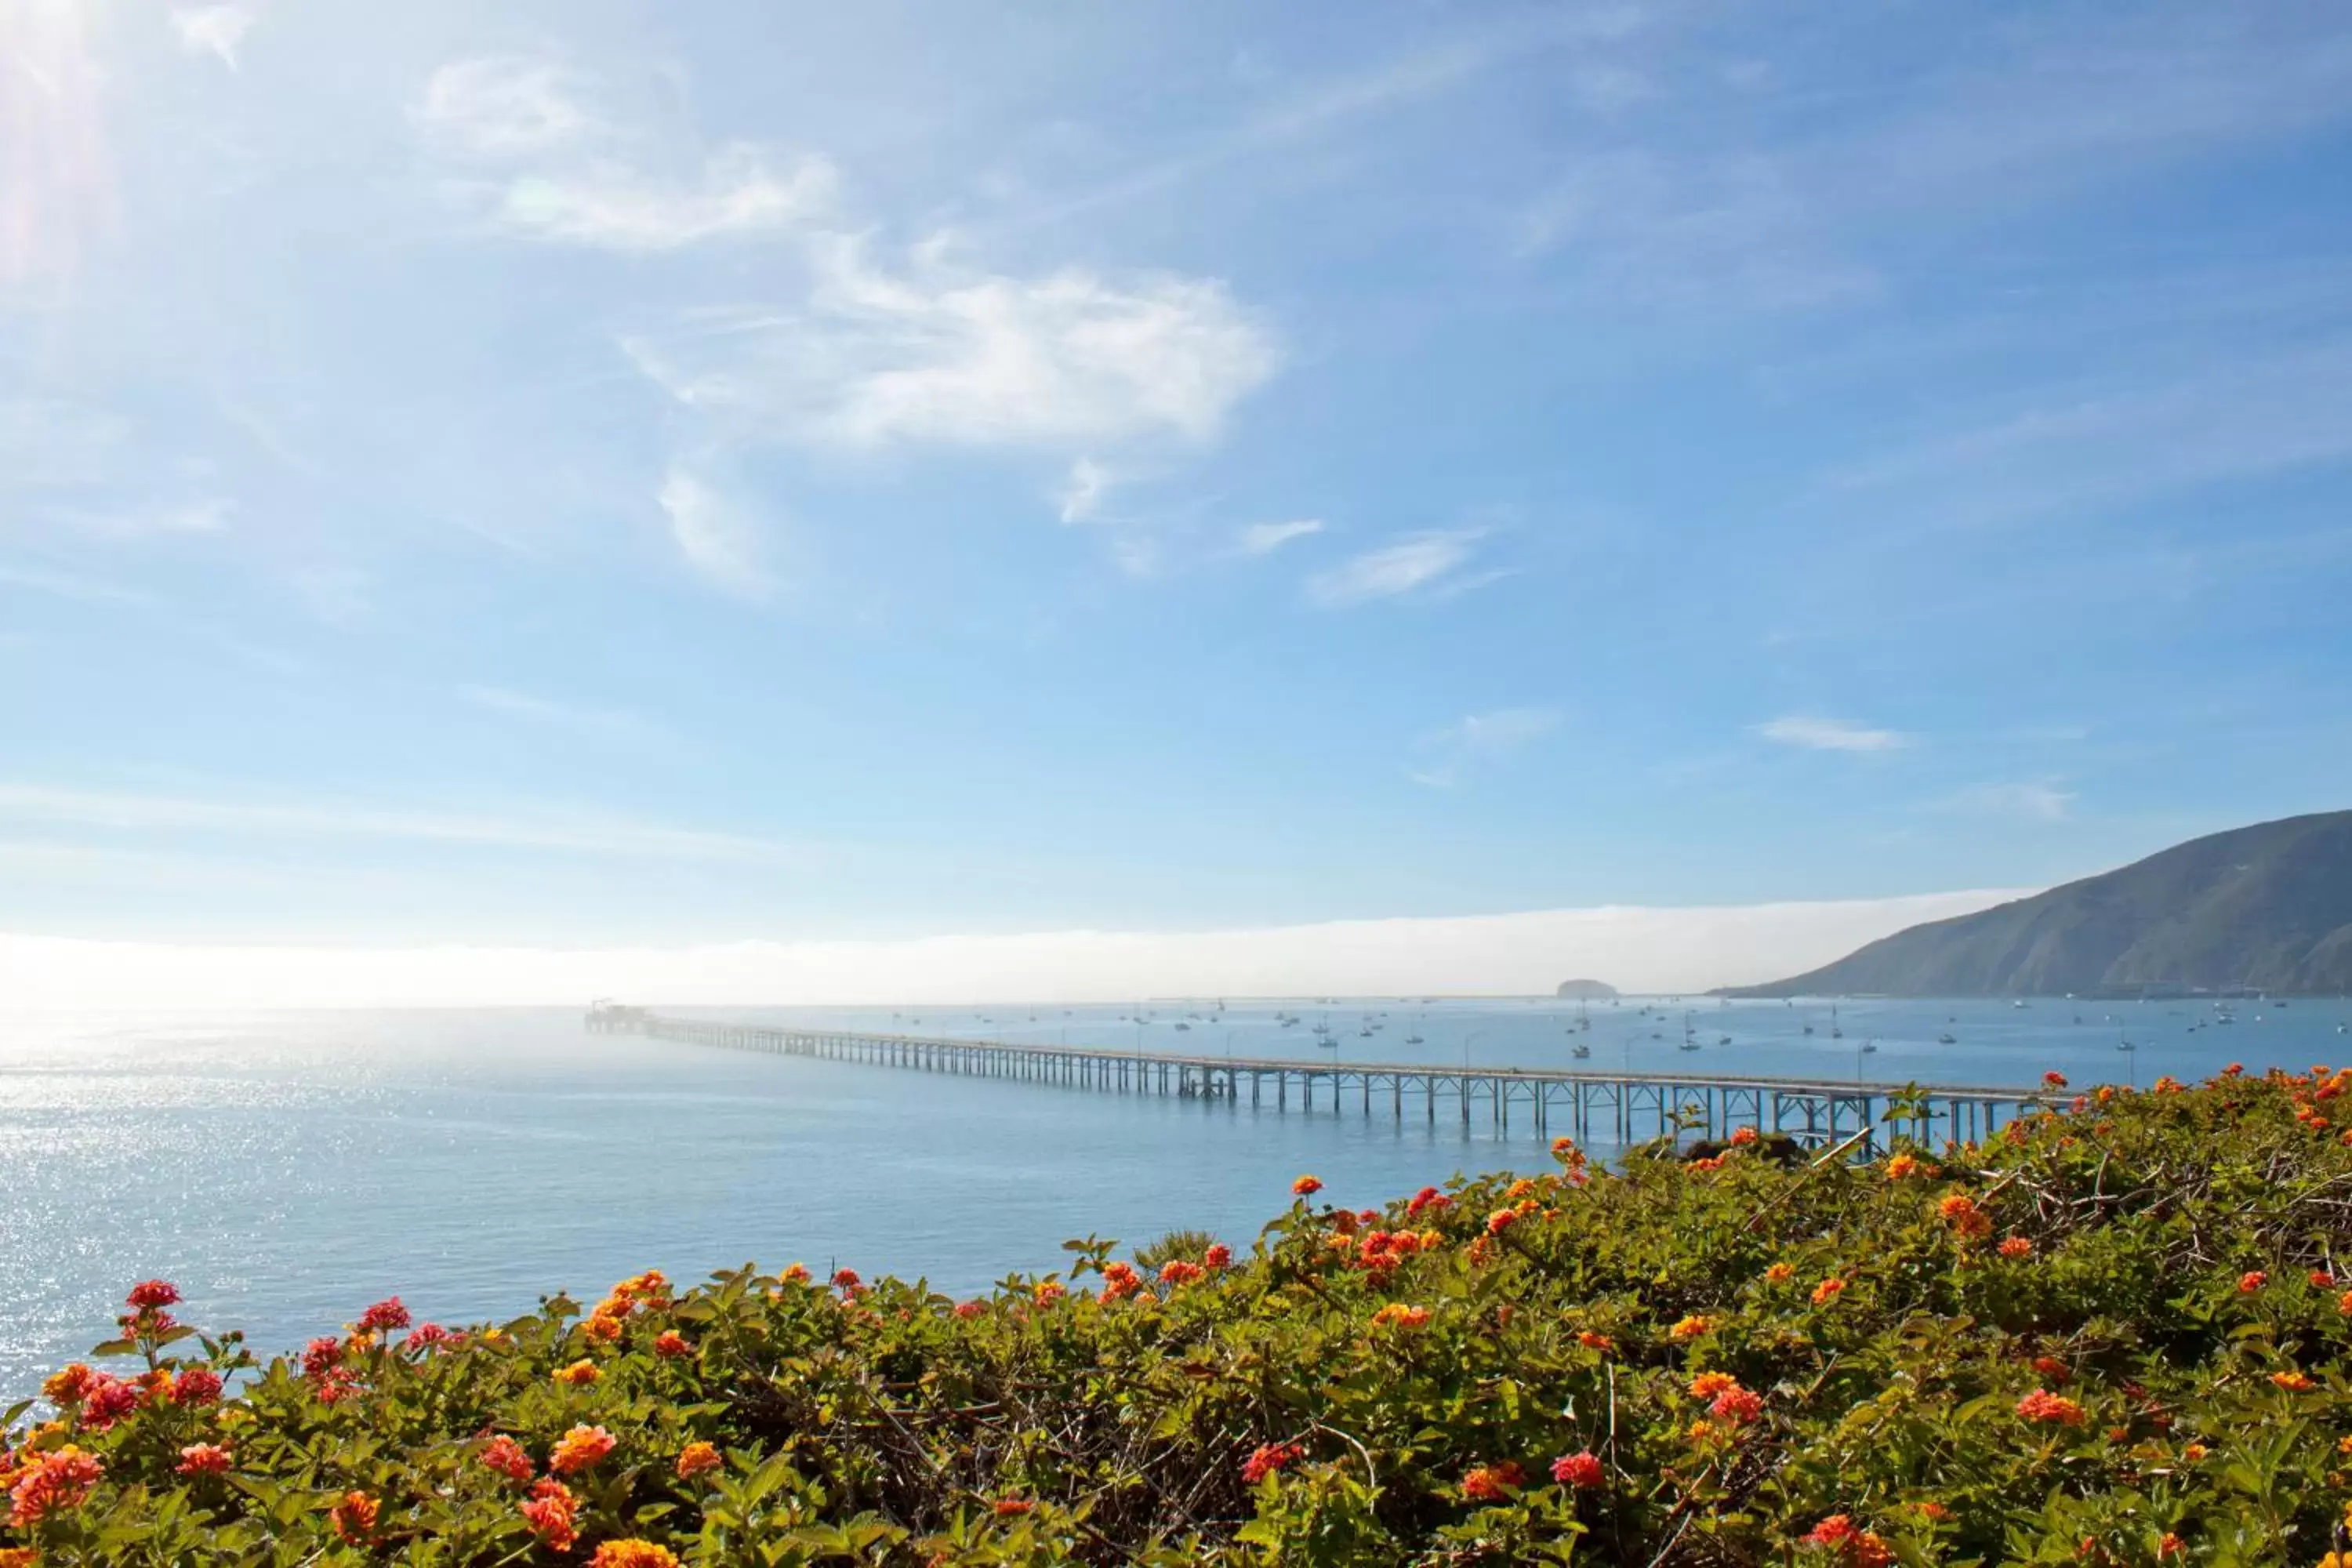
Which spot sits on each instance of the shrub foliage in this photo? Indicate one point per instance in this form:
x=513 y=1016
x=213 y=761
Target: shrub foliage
x=2115 y=1334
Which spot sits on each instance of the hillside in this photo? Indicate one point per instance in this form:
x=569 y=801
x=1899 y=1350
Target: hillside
x=2267 y=907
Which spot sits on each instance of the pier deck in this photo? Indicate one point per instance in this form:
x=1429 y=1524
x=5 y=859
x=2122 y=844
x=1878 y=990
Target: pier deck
x=1618 y=1108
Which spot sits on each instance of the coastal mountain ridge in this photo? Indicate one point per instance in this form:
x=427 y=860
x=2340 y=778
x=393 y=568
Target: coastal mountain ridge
x=2265 y=908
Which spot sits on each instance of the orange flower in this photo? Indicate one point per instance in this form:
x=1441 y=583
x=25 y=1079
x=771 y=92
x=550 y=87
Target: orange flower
x=1707 y=1163
x=1935 y=1510
x=1012 y=1507
x=205 y=1459
x=696 y=1458
x=68 y=1385
x=2293 y=1382
x=1177 y=1271
x=1828 y=1290
x=1855 y=1546
x=1737 y=1406
x=2016 y=1246
x=1306 y=1186
x=602 y=1329
x=1049 y=1291
x=1500 y=1221
x=505 y=1455
x=2194 y=1453
x=1492 y=1483
x=2170 y=1545
x=579 y=1449
x=1779 y=1274
x=1593 y=1342
x=578 y=1374
x=553 y=1513
x=1742 y=1137
x=794 y=1274
x=2251 y=1281
x=61 y=1479
x=1902 y=1165
x=670 y=1343
x=632 y=1553
x=19 y=1557
x=355 y=1517
x=1967 y=1221
x=2050 y=1409
x=2057 y=1371
x=1268 y=1457
x=1707 y=1385
x=1401 y=1316
x=1691 y=1327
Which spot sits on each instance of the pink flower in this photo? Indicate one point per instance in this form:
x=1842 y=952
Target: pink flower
x=204 y=1460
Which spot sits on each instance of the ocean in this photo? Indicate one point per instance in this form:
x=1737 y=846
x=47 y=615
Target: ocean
x=285 y=1169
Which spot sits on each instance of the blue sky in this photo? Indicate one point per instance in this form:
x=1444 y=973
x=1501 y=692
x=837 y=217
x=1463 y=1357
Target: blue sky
x=631 y=473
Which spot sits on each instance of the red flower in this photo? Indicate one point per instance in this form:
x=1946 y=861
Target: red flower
x=108 y=1400
x=2053 y=1081
x=205 y=1459
x=196 y=1385
x=1492 y=1483
x=1855 y=1546
x=1501 y=1220
x=1743 y=1136
x=2016 y=1246
x=150 y=1294
x=972 y=1308
x=505 y=1455
x=670 y=1343
x=385 y=1315
x=551 y=1513
x=1581 y=1471
x=2251 y=1281
x=1828 y=1290
x=2321 y=1280
x=1427 y=1198
x=1218 y=1256
x=1012 y=1507
x=696 y=1458
x=846 y=1279
x=322 y=1356
x=2057 y=1371
x=1306 y=1186
x=1268 y=1457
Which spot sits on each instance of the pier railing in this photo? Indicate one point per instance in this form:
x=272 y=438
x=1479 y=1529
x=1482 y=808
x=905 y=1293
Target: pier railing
x=1594 y=1107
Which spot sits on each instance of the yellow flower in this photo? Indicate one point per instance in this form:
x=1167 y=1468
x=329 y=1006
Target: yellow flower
x=578 y=1374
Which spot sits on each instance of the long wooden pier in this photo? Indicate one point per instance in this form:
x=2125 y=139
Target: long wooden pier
x=1620 y=1109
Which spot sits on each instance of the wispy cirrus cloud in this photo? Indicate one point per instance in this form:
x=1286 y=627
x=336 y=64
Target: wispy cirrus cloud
x=2023 y=802
x=941 y=355
x=542 y=163
x=1478 y=740
x=552 y=831
x=1429 y=562
x=1266 y=538
x=605 y=722
x=716 y=534
x=218 y=30
x=1083 y=489
x=1813 y=733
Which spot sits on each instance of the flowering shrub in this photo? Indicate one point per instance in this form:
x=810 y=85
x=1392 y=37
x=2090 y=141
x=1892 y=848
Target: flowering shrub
x=2119 y=1335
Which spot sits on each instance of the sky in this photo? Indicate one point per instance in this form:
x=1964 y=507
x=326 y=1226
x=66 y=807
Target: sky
x=622 y=478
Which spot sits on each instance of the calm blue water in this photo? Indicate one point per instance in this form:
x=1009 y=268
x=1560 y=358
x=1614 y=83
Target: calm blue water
x=286 y=1169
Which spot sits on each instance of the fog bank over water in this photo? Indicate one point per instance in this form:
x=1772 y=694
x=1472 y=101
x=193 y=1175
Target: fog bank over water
x=1637 y=949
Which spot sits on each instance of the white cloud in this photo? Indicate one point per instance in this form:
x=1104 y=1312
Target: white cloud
x=552 y=831
x=1422 y=561
x=570 y=175
x=501 y=107
x=1082 y=490
x=715 y=536
x=1640 y=950
x=1480 y=738
x=612 y=206
x=2024 y=802
x=217 y=29
x=1817 y=734
x=1068 y=360
x=1266 y=538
